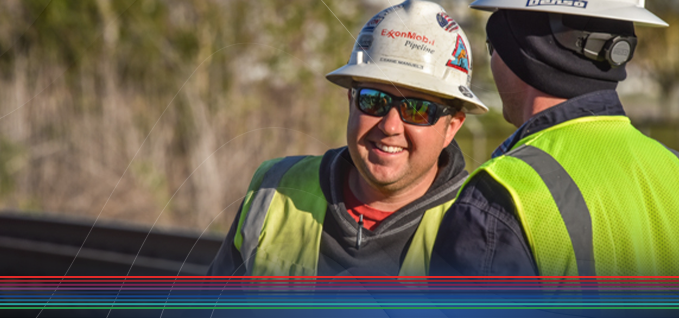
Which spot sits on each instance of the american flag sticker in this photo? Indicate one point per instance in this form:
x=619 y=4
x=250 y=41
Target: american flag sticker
x=446 y=22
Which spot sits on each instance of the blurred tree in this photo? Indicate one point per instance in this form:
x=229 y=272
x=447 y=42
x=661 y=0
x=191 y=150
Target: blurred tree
x=658 y=51
x=217 y=86
x=84 y=83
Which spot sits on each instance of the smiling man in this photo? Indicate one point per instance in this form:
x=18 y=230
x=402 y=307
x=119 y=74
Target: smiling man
x=373 y=207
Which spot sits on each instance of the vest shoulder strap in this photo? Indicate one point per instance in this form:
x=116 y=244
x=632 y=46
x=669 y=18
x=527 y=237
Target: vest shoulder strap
x=593 y=188
x=257 y=203
x=418 y=257
x=282 y=219
x=569 y=201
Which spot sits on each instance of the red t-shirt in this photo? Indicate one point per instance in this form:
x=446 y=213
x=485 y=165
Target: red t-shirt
x=371 y=217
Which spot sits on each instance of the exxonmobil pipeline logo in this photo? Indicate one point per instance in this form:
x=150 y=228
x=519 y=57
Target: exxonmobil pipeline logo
x=407 y=35
x=565 y=3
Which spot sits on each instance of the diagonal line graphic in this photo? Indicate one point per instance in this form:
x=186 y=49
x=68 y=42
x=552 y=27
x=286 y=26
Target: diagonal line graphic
x=194 y=245
x=175 y=193
x=147 y=137
x=27 y=28
x=95 y=222
x=398 y=15
x=46 y=87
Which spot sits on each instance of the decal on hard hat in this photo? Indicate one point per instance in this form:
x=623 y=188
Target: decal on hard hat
x=460 y=60
x=566 y=3
x=364 y=42
x=446 y=22
x=407 y=35
x=416 y=45
x=420 y=47
x=372 y=24
x=465 y=91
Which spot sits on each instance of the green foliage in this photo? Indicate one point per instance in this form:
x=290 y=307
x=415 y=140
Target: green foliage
x=64 y=31
x=86 y=81
x=217 y=86
x=155 y=181
x=658 y=48
x=12 y=159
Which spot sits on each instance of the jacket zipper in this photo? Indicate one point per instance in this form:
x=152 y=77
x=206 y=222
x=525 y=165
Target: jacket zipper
x=359 y=233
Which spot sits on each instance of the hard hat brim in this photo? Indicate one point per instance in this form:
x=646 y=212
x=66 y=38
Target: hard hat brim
x=597 y=9
x=349 y=75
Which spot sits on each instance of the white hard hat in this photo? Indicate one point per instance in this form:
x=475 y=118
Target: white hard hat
x=625 y=10
x=416 y=45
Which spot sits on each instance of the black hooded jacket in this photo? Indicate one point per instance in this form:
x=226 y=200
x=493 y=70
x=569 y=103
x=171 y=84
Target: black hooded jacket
x=383 y=250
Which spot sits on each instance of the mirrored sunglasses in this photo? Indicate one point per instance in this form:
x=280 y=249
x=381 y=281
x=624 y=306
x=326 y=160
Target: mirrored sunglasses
x=413 y=111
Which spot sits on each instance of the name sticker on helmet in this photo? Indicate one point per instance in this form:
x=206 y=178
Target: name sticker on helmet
x=407 y=35
x=446 y=22
x=460 y=60
x=566 y=3
x=399 y=62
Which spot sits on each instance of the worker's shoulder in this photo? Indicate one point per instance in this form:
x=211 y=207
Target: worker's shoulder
x=263 y=168
x=283 y=165
x=310 y=165
x=286 y=163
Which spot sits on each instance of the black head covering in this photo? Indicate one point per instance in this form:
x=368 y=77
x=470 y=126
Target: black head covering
x=525 y=42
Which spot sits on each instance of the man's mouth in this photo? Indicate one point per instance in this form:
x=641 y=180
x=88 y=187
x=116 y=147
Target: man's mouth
x=388 y=149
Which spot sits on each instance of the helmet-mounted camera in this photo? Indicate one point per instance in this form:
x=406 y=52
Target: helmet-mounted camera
x=599 y=46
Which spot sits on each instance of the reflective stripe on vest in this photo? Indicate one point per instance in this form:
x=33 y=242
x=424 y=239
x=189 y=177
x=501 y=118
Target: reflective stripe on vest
x=569 y=201
x=282 y=217
x=254 y=218
x=416 y=262
x=287 y=240
x=594 y=196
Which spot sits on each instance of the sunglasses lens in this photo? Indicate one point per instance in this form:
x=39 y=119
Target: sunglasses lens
x=373 y=102
x=418 y=112
x=413 y=111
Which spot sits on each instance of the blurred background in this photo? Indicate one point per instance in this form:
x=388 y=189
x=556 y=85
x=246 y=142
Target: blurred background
x=151 y=112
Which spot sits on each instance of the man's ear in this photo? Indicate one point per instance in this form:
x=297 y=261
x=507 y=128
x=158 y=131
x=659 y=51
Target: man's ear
x=453 y=127
x=350 y=98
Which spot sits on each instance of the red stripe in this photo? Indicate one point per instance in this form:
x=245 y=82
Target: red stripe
x=335 y=278
x=248 y=279
x=351 y=277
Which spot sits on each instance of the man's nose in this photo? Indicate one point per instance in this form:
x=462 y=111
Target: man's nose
x=391 y=123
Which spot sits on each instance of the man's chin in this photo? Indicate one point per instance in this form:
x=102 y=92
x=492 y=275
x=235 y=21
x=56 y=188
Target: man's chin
x=381 y=178
x=384 y=183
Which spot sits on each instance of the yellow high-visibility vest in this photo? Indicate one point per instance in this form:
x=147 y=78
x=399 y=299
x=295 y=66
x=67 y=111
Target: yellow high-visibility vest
x=280 y=226
x=594 y=197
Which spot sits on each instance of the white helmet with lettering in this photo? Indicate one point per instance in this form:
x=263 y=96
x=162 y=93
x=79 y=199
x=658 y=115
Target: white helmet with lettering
x=417 y=45
x=624 y=10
